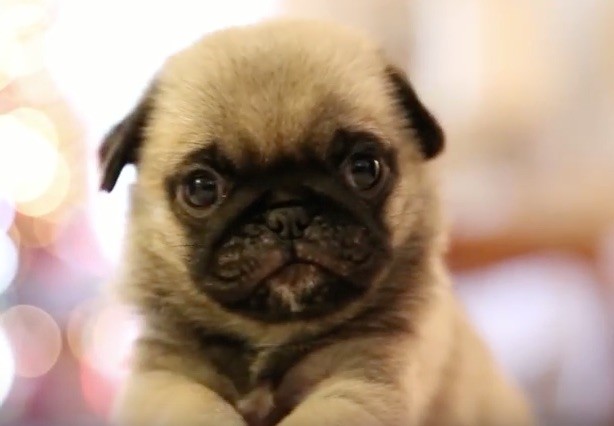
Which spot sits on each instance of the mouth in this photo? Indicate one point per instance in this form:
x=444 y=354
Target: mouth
x=297 y=289
x=301 y=283
x=305 y=257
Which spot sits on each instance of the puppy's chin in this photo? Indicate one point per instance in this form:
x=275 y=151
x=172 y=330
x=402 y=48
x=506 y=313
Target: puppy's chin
x=275 y=271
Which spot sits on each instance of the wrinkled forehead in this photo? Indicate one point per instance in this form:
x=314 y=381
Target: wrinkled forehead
x=261 y=106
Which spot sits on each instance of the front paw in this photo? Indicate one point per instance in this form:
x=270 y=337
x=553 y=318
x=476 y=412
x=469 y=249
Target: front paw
x=165 y=399
x=173 y=413
x=339 y=413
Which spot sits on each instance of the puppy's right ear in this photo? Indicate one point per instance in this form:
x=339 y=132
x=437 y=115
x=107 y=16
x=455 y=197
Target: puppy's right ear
x=122 y=143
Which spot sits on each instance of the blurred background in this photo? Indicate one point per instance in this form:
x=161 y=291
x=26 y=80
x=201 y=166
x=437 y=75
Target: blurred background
x=524 y=90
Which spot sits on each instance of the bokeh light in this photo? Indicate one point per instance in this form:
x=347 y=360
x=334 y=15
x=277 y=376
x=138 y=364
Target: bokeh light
x=36 y=232
x=102 y=336
x=7 y=213
x=44 y=233
x=9 y=261
x=21 y=25
x=79 y=321
x=24 y=18
x=29 y=158
x=111 y=335
x=35 y=338
x=7 y=367
x=55 y=194
x=98 y=390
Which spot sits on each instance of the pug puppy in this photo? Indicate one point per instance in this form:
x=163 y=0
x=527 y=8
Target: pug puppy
x=284 y=245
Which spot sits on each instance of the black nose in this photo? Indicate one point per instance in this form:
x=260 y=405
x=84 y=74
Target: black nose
x=288 y=222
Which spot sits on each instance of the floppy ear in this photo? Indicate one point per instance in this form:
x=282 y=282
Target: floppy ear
x=122 y=143
x=418 y=117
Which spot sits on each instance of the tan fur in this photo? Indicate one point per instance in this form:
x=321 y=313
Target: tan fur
x=267 y=87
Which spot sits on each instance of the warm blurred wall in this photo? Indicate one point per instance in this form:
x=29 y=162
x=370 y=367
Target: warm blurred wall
x=385 y=20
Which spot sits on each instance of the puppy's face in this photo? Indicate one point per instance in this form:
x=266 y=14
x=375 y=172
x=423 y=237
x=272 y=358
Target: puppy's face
x=298 y=236
x=280 y=173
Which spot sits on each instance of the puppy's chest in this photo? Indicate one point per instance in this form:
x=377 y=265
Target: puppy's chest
x=266 y=381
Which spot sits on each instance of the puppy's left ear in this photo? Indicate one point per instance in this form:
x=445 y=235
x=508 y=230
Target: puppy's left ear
x=428 y=130
x=122 y=143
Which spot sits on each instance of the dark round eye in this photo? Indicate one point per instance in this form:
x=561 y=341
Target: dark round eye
x=201 y=189
x=362 y=171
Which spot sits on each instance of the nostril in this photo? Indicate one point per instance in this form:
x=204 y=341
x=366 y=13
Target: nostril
x=302 y=220
x=288 y=222
x=275 y=221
